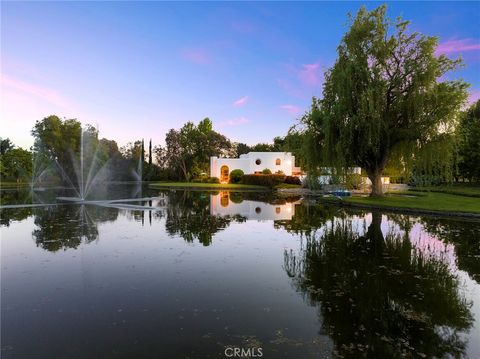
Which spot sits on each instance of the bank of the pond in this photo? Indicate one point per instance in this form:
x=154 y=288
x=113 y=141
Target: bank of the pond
x=9 y=185
x=468 y=190
x=207 y=186
x=421 y=203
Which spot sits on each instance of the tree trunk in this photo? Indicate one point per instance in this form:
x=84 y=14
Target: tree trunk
x=377 y=186
x=184 y=170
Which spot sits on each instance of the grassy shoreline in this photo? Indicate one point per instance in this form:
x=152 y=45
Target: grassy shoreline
x=451 y=200
x=462 y=190
x=431 y=202
x=9 y=185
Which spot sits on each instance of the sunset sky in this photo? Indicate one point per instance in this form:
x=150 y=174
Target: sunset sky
x=139 y=69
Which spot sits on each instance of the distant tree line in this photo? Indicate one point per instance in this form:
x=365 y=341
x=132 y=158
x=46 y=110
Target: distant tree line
x=468 y=144
x=15 y=162
x=57 y=148
x=56 y=151
x=186 y=153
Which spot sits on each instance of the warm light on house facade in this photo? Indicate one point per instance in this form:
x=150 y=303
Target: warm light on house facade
x=254 y=162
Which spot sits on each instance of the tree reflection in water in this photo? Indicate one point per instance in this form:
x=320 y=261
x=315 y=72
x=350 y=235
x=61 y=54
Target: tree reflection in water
x=464 y=235
x=188 y=215
x=67 y=226
x=377 y=295
x=7 y=216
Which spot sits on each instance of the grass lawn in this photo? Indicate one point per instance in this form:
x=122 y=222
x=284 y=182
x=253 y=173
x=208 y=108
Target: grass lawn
x=472 y=190
x=205 y=185
x=431 y=201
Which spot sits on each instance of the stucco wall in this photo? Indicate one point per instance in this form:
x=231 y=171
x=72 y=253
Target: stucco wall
x=268 y=160
x=247 y=163
x=232 y=163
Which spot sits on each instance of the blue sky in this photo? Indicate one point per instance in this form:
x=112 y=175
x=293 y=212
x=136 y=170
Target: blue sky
x=138 y=69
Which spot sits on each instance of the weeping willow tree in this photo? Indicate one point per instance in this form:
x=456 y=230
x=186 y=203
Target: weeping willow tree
x=425 y=163
x=386 y=91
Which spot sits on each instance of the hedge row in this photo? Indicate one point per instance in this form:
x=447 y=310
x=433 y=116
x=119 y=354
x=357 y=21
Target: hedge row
x=293 y=180
x=263 y=180
x=206 y=180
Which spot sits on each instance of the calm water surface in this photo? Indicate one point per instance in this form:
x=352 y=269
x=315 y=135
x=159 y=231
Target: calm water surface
x=202 y=271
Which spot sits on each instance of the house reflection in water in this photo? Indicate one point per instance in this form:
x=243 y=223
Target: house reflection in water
x=230 y=204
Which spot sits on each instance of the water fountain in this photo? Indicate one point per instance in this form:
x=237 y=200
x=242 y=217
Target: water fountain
x=86 y=174
x=40 y=170
x=83 y=182
x=91 y=172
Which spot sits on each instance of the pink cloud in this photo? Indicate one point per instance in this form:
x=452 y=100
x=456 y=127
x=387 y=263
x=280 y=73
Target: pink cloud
x=197 y=56
x=310 y=74
x=234 y=122
x=473 y=97
x=291 y=109
x=460 y=45
x=40 y=92
x=241 y=101
x=301 y=81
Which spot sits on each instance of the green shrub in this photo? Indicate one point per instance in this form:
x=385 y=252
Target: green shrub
x=266 y=171
x=293 y=180
x=335 y=179
x=312 y=182
x=267 y=180
x=353 y=181
x=200 y=178
x=212 y=180
x=236 y=176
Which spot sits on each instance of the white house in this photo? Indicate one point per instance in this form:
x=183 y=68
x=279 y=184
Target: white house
x=254 y=162
x=222 y=205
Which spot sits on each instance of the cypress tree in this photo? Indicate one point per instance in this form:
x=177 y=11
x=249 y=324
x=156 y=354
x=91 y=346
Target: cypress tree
x=150 y=153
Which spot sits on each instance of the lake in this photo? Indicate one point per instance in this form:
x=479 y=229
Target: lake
x=188 y=274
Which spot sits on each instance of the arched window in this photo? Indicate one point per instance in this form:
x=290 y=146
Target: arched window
x=278 y=162
x=278 y=210
x=258 y=162
x=258 y=210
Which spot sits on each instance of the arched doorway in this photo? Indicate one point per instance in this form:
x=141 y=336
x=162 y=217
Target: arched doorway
x=224 y=199
x=224 y=172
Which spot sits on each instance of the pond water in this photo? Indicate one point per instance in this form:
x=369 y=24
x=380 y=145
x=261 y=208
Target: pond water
x=187 y=274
